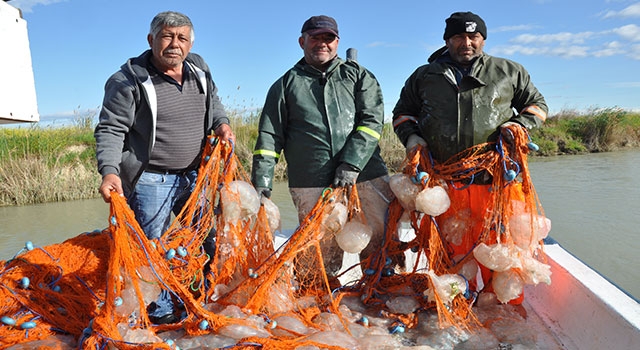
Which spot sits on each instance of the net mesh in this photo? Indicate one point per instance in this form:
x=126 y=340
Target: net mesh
x=96 y=286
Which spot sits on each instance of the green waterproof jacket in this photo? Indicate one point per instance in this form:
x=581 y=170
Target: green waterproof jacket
x=452 y=114
x=319 y=120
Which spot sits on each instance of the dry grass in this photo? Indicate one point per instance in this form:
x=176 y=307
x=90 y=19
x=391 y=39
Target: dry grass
x=40 y=165
x=31 y=181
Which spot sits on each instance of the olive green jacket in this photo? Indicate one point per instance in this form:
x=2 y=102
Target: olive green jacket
x=319 y=120
x=452 y=117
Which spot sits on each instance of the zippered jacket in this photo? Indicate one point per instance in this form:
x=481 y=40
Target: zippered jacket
x=319 y=120
x=125 y=134
x=452 y=116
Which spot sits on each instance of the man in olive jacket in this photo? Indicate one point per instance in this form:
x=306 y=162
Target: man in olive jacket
x=462 y=98
x=326 y=114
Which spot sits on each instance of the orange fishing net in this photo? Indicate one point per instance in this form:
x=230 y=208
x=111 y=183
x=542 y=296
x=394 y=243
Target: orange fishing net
x=479 y=215
x=95 y=287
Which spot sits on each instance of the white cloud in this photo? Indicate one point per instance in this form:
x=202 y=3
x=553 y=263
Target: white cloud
x=610 y=49
x=564 y=51
x=27 y=5
x=634 y=52
x=630 y=32
x=632 y=11
x=576 y=45
x=564 y=37
x=571 y=51
x=516 y=28
x=625 y=84
x=507 y=50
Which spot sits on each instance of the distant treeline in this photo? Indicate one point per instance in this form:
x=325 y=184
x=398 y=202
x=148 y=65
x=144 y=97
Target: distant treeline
x=40 y=165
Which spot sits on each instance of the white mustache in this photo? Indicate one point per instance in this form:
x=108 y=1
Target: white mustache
x=173 y=51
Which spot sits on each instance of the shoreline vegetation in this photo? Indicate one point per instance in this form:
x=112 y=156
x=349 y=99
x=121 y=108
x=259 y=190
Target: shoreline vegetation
x=43 y=164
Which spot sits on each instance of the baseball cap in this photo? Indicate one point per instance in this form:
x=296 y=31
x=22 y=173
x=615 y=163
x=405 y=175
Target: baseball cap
x=320 y=24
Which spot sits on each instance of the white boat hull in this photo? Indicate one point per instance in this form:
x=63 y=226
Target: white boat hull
x=580 y=309
x=583 y=309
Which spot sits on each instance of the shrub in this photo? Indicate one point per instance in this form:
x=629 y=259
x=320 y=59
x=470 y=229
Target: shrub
x=53 y=164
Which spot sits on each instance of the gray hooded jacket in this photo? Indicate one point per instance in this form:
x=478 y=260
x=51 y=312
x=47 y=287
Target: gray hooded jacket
x=126 y=131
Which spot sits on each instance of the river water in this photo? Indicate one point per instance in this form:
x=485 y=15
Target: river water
x=592 y=201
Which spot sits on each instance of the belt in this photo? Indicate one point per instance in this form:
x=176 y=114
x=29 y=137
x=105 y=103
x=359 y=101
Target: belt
x=157 y=170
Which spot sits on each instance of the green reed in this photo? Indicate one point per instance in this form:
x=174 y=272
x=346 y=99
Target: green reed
x=42 y=164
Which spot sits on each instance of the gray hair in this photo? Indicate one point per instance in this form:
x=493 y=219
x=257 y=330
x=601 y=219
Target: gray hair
x=170 y=19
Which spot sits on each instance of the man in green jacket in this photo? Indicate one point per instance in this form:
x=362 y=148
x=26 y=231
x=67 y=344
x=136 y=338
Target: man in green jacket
x=326 y=114
x=461 y=98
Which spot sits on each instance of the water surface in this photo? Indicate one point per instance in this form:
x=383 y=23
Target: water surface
x=592 y=201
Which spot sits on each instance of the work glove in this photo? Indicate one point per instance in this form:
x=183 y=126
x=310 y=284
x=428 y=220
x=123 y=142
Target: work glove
x=263 y=192
x=413 y=141
x=507 y=135
x=346 y=175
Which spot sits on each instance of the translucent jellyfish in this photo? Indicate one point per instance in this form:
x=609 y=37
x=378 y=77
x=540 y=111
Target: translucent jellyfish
x=433 y=201
x=354 y=236
x=290 y=326
x=535 y=271
x=404 y=223
x=137 y=336
x=405 y=190
x=507 y=285
x=219 y=290
x=497 y=257
x=148 y=288
x=280 y=299
x=240 y=331
x=446 y=286
x=336 y=219
x=403 y=304
x=273 y=213
x=456 y=226
x=239 y=201
x=469 y=269
x=526 y=233
x=334 y=338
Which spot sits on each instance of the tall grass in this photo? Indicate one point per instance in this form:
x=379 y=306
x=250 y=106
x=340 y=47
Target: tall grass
x=246 y=131
x=40 y=165
x=54 y=164
x=603 y=130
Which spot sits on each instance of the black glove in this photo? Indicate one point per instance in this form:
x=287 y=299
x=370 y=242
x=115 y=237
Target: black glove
x=263 y=192
x=413 y=141
x=507 y=135
x=346 y=175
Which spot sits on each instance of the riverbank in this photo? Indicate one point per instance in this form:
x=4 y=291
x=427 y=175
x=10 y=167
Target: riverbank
x=39 y=165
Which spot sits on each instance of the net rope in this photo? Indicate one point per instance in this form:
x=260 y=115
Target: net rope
x=95 y=286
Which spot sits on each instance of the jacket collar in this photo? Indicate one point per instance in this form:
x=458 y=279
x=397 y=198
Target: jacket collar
x=304 y=66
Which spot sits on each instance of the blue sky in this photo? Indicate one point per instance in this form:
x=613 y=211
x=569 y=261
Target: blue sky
x=581 y=54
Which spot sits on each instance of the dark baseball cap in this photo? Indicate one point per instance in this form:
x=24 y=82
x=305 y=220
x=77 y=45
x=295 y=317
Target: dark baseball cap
x=320 y=24
x=464 y=22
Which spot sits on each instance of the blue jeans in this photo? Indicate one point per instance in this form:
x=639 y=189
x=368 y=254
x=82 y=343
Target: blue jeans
x=154 y=198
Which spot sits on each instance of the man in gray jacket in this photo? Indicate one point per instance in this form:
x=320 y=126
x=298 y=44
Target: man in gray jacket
x=157 y=112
